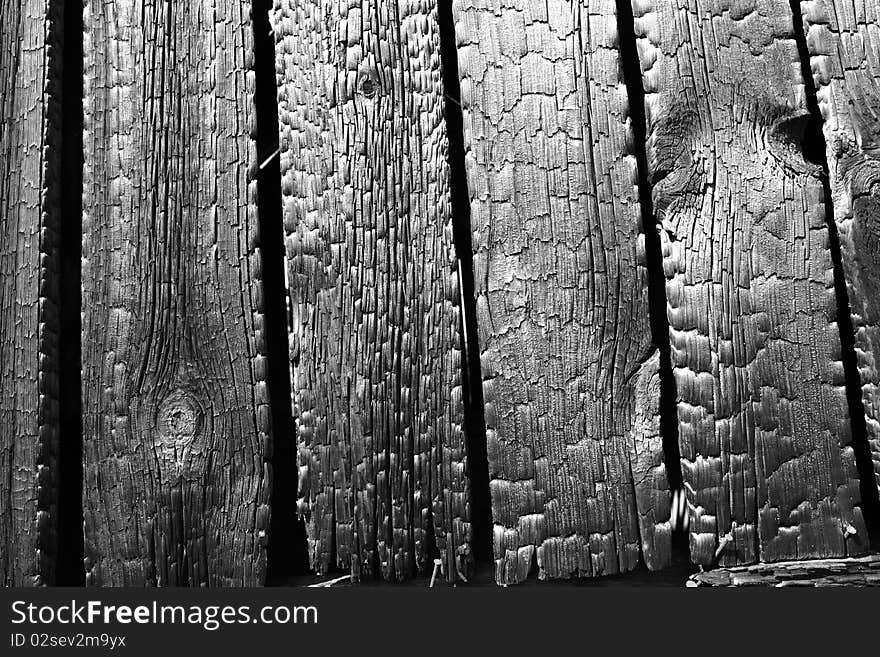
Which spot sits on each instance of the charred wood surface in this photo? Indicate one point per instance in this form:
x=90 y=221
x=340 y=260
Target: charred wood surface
x=176 y=421
x=375 y=343
x=843 y=39
x=860 y=571
x=30 y=151
x=763 y=419
x=765 y=187
x=570 y=375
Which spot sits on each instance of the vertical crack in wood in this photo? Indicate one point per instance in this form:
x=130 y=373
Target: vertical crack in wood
x=475 y=421
x=571 y=380
x=814 y=149
x=632 y=75
x=287 y=548
x=755 y=346
x=71 y=571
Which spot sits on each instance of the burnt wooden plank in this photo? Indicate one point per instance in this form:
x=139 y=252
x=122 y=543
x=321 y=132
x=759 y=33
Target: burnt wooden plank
x=30 y=152
x=852 y=571
x=570 y=375
x=375 y=341
x=763 y=421
x=176 y=423
x=843 y=39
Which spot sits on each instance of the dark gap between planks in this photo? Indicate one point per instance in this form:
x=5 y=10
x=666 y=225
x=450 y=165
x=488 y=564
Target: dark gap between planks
x=70 y=569
x=287 y=551
x=632 y=74
x=813 y=149
x=472 y=378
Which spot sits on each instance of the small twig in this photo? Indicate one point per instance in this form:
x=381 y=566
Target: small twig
x=329 y=583
x=270 y=158
x=678 y=512
x=437 y=563
x=454 y=100
x=727 y=538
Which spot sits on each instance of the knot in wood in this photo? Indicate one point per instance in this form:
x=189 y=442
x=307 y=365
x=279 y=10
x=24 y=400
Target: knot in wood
x=178 y=418
x=866 y=228
x=368 y=87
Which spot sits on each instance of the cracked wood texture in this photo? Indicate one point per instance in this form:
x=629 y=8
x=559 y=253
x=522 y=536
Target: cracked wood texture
x=30 y=152
x=175 y=410
x=843 y=39
x=763 y=419
x=570 y=376
x=853 y=571
x=375 y=342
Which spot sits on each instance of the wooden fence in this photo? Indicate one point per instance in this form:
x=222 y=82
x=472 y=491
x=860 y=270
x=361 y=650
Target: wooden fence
x=546 y=265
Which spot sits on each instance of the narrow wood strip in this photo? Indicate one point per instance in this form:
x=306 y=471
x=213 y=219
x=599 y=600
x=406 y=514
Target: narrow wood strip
x=763 y=419
x=859 y=571
x=176 y=422
x=375 y=341
x=30 y=158
x=843 y=39
x=570 y=375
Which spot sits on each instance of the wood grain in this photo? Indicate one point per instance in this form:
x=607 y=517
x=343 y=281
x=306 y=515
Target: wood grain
x=176 y=422
x=843 y=39
x=570 y=376
x=764 y=425
x=375 y=342
x=853 y=571
x=30 y=153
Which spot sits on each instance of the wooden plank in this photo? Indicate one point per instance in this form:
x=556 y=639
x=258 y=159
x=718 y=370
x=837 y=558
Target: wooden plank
x=30 y=158
x=375 y=340
x=763 y=419
x=843 y=39
x=176 y=422
x=570 y=375
x=853 y=571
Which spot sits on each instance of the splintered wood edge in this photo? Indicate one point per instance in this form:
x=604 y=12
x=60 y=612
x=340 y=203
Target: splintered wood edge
x=853 y=571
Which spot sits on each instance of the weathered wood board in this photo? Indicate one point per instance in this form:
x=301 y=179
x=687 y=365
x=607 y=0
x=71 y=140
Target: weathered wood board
x=763 y=420
x=843 y=39
x=570 y=375
x=30 y=153
x=375 y=342
x=853 y=571
x=176 y=423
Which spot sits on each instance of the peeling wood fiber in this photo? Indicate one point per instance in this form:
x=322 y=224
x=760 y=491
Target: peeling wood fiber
x=764 y=424
x=375 y=343
x=843 y=39
x=571 y=379
x=853 y=571
x=176 y=418
x=30 y=158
